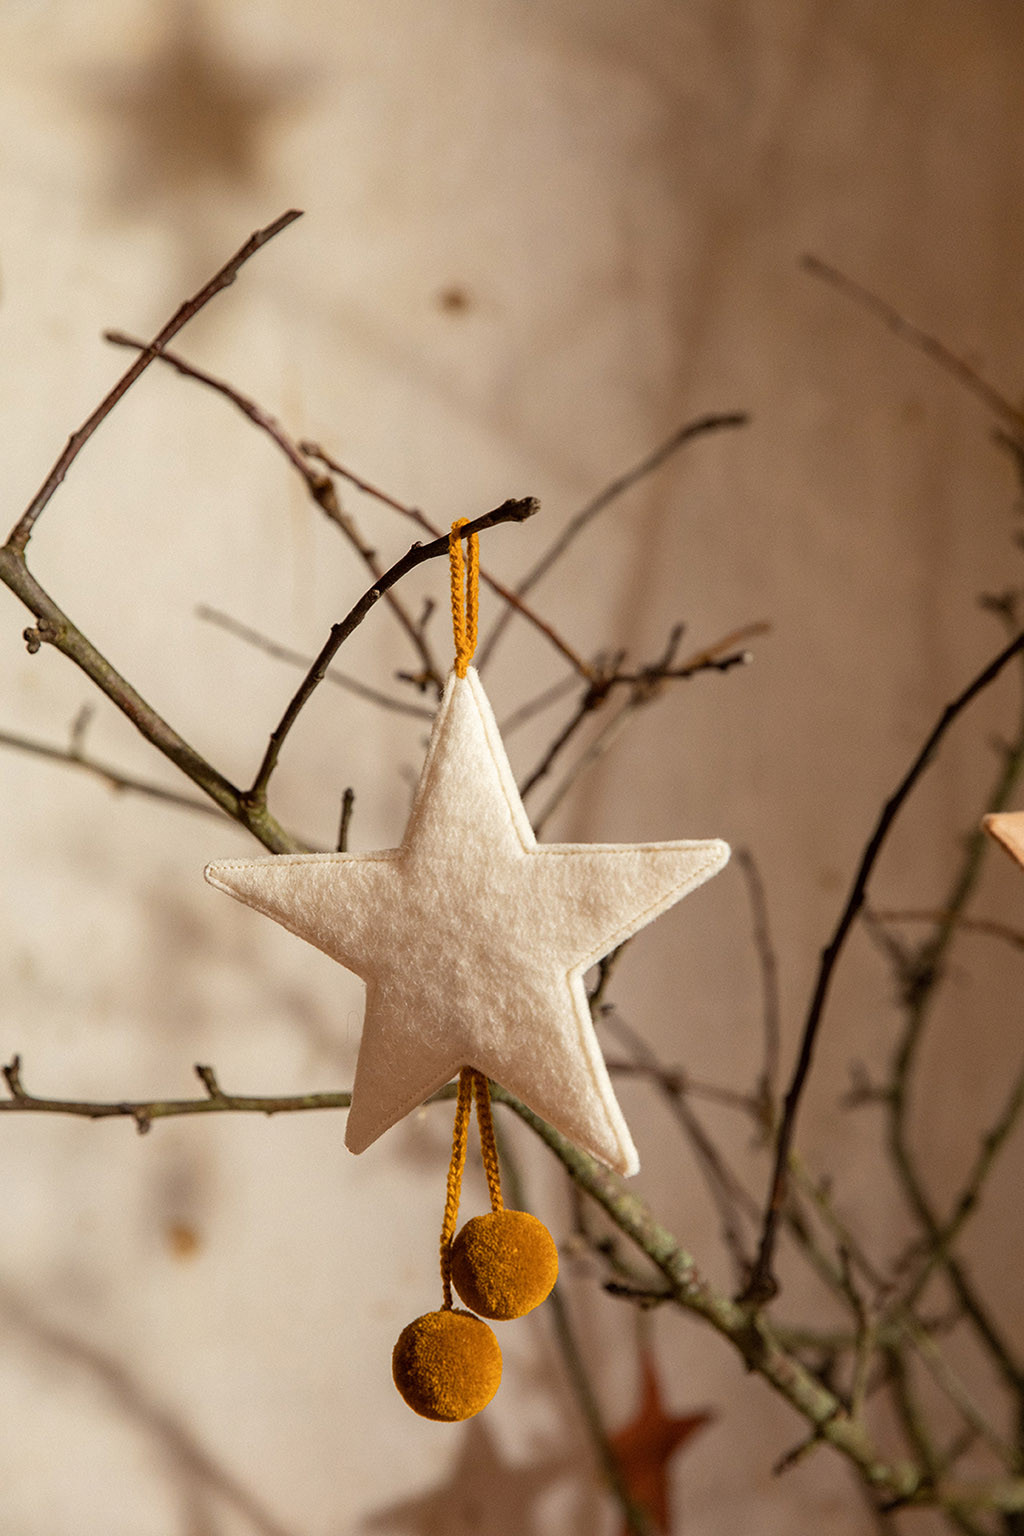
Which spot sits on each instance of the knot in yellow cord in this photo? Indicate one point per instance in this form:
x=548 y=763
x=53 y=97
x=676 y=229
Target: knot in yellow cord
x=465 y=589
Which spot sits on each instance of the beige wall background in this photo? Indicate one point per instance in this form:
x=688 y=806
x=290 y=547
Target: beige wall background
x=196 y=1325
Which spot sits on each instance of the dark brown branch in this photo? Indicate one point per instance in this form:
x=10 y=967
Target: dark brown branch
x=920 y=974
x=611 y=492
x=320 y=486
x=22 y=531
x=348 y=801
x=761 y=1285
x=508 y=512
x=315 y=451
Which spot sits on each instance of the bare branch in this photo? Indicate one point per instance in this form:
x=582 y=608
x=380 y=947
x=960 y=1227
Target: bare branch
x=55 y=628
x=770 y=1008
x=22 y=531
x=762 y=1286
x=315 y=451
x=604 y=498
x=920 y=977
x=508 y=512
x=984 y=926
x=145 y=1111
x=644 y=684
x=297 y=659
x=749 y=1333
x=112 y=777
x=348 y=801
x=320 y=486
x=921 y=340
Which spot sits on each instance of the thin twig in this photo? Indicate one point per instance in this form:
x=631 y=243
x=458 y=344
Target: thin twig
x=984 y=926
x=604 y=498
x=320 y=486
x=970 y=1194
x=297 y=659
x=930 y=345
x=920 y=982
x=541 y=701
x=729 y=1196
x=644 y=686
x=53 y=627
x=348 y=801
x=22 y=531
x=761 y=1285
x=315 y=451
x=769 y=968
x=508 y=512
x=111 y=776
x=145 y=1111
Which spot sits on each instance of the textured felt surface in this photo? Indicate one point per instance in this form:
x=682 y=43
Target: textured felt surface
x=504 y=1264
x=1007 y=827
x=473 y=939
x=447 y=1365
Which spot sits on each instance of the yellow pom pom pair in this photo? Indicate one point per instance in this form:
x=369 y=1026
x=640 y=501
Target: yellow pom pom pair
x=447 y=1364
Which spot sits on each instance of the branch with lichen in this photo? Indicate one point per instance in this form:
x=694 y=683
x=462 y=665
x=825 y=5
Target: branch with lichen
x=830 y=1377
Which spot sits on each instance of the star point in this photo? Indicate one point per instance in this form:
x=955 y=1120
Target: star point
x=473 y=939
x=1007 y=827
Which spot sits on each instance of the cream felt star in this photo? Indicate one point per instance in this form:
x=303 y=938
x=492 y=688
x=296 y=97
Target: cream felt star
x=1007 y=827
x=473 y=939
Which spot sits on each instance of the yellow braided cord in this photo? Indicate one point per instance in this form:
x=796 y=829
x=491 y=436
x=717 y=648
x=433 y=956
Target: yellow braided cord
x=472 y=594
x=465 y=585
x=460 y=1134
x=488 y=1145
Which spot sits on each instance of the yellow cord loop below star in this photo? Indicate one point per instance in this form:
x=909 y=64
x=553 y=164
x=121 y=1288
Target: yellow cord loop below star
x=465 y=591
x=471 y=1083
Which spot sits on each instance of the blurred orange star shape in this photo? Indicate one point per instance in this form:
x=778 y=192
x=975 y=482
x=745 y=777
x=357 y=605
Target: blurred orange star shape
x=645 y=1446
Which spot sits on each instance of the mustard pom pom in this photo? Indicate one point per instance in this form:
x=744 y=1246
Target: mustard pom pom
x=504 y=1264
x=447 y=1365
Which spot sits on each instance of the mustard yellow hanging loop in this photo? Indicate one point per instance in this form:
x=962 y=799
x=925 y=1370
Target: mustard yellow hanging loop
x=460 y=1133
x=465 y=594
x=488 y=1145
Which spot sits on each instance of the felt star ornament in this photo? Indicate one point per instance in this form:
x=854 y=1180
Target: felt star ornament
x=473 y=939
x=1007 y=827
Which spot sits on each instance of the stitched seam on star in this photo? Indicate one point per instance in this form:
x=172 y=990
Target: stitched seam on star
x=590 y=1045
x=499 y=757
x=387 y=856
x=381 y=1122
x=641 y=919
x=379 y=855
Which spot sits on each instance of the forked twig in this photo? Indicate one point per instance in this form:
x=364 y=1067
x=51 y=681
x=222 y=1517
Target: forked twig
x=315 y=451
x=761 y=1285
x=22 y=531
x=319 y=485
x=604 y=498
x=508 y=512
